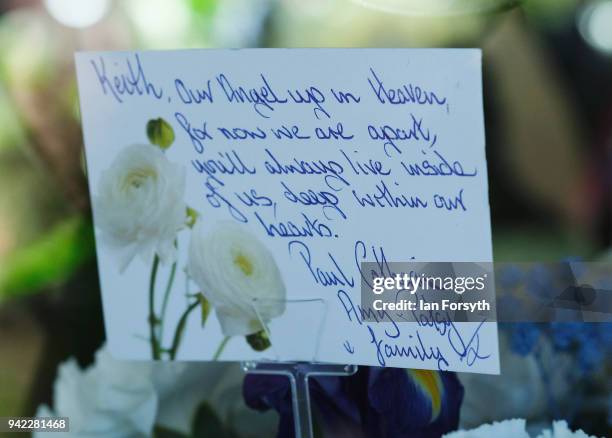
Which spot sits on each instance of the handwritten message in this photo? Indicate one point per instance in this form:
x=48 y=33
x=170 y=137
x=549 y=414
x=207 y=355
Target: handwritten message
x=330 y=158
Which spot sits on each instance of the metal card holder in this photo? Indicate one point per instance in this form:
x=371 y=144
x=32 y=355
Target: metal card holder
x=299 y=372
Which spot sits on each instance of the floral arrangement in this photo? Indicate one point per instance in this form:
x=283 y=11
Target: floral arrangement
x=139 y=209
x=169 y=399
x=161 y=399
x=180 y=400
x=569 y=356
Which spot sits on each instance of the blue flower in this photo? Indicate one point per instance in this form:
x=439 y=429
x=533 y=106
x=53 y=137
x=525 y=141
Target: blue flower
x=375 y=402
x=591 y=342
x=510 y=276
x=595 y=344
x=509 y=309
x=565 y=334
x=523 y=337
x=590 y=357
x=605 y=334
x=540 y=282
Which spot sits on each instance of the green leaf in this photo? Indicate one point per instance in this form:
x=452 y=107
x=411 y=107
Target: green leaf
x=259 y=341
x=48 y=261
x=204 y=7
x=192 y=217
x=205 y=306
x=207 y=423
x=160 y=133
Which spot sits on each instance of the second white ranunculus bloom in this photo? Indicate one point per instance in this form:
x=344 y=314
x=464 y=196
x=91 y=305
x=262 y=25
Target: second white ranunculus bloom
x=238 y=275
x=139 y=206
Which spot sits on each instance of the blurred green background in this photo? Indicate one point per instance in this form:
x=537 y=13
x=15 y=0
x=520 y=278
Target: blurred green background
x=548 y=110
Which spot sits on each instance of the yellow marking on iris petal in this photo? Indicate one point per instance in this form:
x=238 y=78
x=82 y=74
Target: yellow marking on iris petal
x=244 y=264
x=431 y=384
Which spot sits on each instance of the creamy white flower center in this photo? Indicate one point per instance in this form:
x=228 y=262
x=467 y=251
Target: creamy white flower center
x=243 y=262
x=137 y=177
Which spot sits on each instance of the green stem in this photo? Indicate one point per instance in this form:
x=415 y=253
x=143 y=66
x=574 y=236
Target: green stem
x=152 y=317
x=180 y=327
x=221 y=348
x=165 y=301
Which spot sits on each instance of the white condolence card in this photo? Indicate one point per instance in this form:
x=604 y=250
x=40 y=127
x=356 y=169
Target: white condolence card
x=237 y=192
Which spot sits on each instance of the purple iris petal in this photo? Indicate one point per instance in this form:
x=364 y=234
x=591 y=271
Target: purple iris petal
x=405 y=409
x=375 y=402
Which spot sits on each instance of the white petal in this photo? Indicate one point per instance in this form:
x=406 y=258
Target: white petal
x=139 y=206
x=230 y=289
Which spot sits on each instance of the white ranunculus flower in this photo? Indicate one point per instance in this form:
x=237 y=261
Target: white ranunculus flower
x=219 y=385
x=126 y=398
x=110 y=398
x=139 y=206
x=233 y=268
